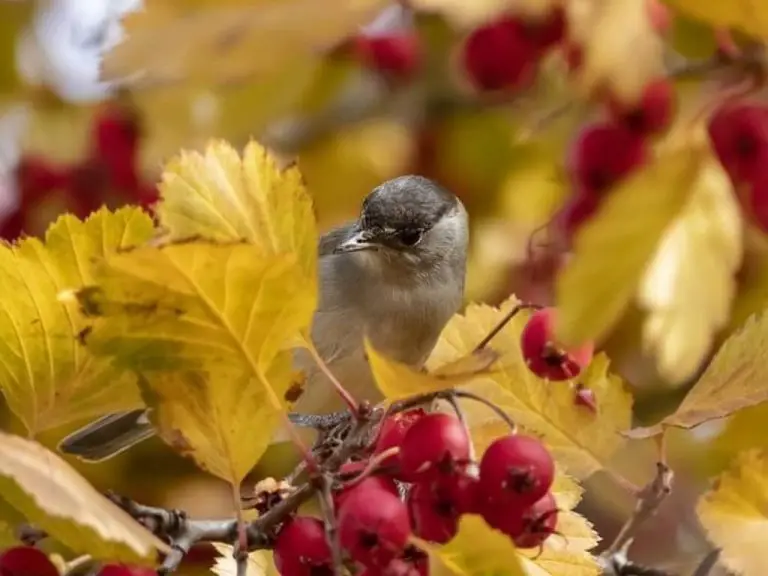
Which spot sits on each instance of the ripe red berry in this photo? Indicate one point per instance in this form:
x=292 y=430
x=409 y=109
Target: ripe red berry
x=500 y=55
x=413 y=562
x=659 y=15
x=436 y=444
x=434 y=512
x=397 y=55
x=26 y=561
x=515 y=469
x=301 y=548
x=544 y=357
x=549 y=31
x=373 y=526
x=372 y=482
x=536 y=524
x=739 y=135
x=393 y=431
x=602 y=154
x=37 y=178
x=652 y=114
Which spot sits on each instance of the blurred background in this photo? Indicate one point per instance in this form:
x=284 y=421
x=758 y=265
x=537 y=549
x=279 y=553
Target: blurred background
x=359 y=92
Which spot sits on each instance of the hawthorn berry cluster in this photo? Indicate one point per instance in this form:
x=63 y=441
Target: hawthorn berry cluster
x=427 y=457
x=31 y=561
x=108 y=175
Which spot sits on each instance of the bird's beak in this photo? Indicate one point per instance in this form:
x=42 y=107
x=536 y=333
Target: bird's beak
x=360 y=240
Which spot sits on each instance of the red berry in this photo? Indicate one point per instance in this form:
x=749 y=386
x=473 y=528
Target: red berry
x=739 y=135
x=393 y=431
x=500 y=55
x=301 y=548
x=549 y=31
x=602 y=154
x=576 y=211
x=37 y=178
x=434 y=445
x=574 y=57
x=434 y=513
x=115 y=142
x=585 y=397
x=652 y=114
x=374 y=481
x=515 y=469
x=544 y=357
x=373 y=526
x=398 y=55
x=413 y=562
x=536 y=524
x=659 y=15
x=26 y=561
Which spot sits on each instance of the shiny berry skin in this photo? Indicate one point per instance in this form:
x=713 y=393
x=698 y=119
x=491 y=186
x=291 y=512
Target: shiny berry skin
x=397 y=55
x=536 y=524
x=500 y=55
x=393 y=431
x=603 y=154
x=301 y=548
x=516 y=470
x=434 y=512
x=544 y=357
x=373 y=526
x=372 y=482
x=652 y=114
x=739 y=136
x=26 y=561
x=436 y=444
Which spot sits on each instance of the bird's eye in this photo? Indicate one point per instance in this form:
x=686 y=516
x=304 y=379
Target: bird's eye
x=409 y=237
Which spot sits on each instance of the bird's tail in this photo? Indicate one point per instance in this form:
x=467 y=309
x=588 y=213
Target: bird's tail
x=108 y=436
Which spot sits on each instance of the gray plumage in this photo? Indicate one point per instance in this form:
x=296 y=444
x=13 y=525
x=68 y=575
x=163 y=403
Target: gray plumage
x=395 y=274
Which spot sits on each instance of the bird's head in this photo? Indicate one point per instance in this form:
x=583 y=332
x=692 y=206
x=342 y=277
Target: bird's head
x=412 y=223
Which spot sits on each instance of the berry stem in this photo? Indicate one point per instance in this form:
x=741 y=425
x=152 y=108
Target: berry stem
x=373 y=465
x=329 y=521
x=77 y=564
x=351 y=403
x=463 y=419
x=503 y=322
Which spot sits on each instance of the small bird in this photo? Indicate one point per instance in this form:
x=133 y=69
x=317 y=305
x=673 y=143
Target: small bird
x=395 y=275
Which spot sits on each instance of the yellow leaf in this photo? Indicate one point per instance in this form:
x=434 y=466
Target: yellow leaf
x=469 y=14
x=220 y=196
x=50 y=494
x=704 y=243
x=477 y=550
x=735 y=379
x=581 y=441
x=259 y=563
x=203 y=323
x=397 y=381
x=735 y=514
x=612 y=34
x=746 y=15
x=230 y=42
x=612 y=249
x=47 y=377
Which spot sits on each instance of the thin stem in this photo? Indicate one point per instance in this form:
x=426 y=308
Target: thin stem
x=503 y=322
x=331 y=529
x=77 y=564
x=499 y=412
x=351 y=403
x=373 y=465
x=460 y=415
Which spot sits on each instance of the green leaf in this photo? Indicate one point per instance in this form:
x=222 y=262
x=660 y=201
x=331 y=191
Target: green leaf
x=612 y=249
x=48 y=378
x=50 y=494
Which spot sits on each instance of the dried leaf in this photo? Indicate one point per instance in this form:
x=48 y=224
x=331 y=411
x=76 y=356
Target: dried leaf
x=581 y=441
x=735 y=514
x=50 y=494
x=684 y=313
x=229 y=42
x=259 y=563
x=612 y=249
x=748 y=16
x=735 y=379
x=47 y=377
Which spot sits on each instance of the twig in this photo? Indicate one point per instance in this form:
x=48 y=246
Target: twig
x=503 y=322
x=707 y=563
x=331 y=529
x=649 y=500
x=351 y=403
x=77 y=564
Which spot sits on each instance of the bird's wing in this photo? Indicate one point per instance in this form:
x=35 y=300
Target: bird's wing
x=331 y=239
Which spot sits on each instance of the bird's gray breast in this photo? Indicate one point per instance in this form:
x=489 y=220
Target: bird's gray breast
x=401 y=321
